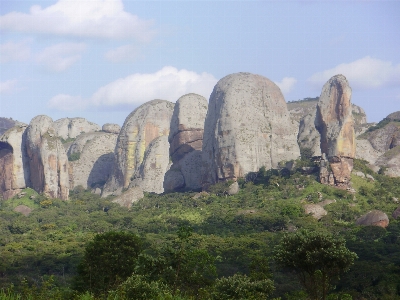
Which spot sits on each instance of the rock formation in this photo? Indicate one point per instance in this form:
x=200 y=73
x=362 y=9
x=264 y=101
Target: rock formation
x=186 y=141
x=48 y=161
x=334 y=121
x=96 y=159
x=146 y=123
x=111 y=128
x=374 y=218
x=129 y=197
x=247 y=126
x=72 y=127
x=14 y=161
x=6 y=124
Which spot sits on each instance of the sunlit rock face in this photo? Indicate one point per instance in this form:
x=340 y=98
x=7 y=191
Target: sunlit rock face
x=48 y=161
x=72 y=127
x=334 y=121
x=146 y=123
x=247 y=127
x=186 y=141
x=14 y=170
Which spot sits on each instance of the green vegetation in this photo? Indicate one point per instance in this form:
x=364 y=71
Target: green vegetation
x=74 y=156
x=214 y=246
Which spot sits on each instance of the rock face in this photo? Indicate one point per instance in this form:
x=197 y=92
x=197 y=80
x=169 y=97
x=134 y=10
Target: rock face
x=6 y=124
x=23 y=209
x=96 y=159
x=129 y=197
x=374 y=218
x=309 y=137
x=72 y=127
x=111 y=128
x=186 y=141
x=14 y=162
x=247 y=127
x=146 y=123
x=48 y=161
x=334 y=121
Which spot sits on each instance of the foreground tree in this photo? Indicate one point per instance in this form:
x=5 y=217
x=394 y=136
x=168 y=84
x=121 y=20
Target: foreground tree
x=317 y=258
x=108 y=260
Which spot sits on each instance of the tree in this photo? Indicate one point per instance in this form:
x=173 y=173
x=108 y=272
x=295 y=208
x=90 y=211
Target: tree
x=317 y=258
x=108 y=260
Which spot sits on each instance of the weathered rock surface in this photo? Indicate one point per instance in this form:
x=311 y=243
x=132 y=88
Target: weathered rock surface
x=317 y=211
x=146 y=123
x=390 y=160
x=48 y=161
x=309 y=137
x=23 y=209
x=364 y=150
x=14 y=162
x=111 y=128
x=72 y=127
x=186 y=141
x=247 y=126
x=80 y=142
x=129 y=197
x=233 y=188
x=96 y=159
x=150 y=175
x=374 y=218
x=334 y=121
x=6 y=124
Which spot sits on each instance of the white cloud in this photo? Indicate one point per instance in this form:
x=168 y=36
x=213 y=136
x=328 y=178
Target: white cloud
x=7 y=86
x=168 y=83
x=61 y=56
x=11 y=51
x=364 y=73
x=286 y=84
x=127 y=53
x=95 y=19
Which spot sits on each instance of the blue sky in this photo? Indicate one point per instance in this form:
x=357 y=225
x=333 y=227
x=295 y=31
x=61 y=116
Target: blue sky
x=100 y=59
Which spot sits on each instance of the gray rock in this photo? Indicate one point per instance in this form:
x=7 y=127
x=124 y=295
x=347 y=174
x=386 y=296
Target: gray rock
x=146 y=123
x=81 y=140
x=364 y=150
x=23 y=209
x=359 y=174
x=111 y=128
x=247 y=127
x=129 y=197
x=72 y=127
x=370 y=177
x=14 y=162
x=96 y=160
x=309 y=137
x=317 y=211
x=48 y=161
x=396 y=213
x=374 y=218
x=6 y=124
x=186 y=140
x=233 y=188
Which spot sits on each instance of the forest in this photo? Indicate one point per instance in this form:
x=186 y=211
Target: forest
x=256 y=244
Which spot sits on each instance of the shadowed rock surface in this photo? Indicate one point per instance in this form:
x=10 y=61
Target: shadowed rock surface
x=186 y=141
x=14 y=162
x=146 y=123
x=247 y=127
x=72 y=127
x=334 y=121
x=96 y=160
x=48 y=161
x=374 y=218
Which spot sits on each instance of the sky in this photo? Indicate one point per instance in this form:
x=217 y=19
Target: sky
x=100 y=59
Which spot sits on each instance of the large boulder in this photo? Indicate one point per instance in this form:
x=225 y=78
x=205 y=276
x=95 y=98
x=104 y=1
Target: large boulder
x=146 y=123
x=335 y=123
x=96 y=159
x=111 y=128
x=186 y=141
x=14 y=162
x=129 y=197
x=374 y=218
x=72 y=127
x=247 y=127
x=48 y=161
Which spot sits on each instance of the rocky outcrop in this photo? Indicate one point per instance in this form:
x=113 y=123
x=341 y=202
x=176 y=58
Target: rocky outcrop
x=247 y=127
x=129 y=197
x=309 y=137
x=72 y=127
x=96 y=159
x=334 y=121
x=364 y=150
x=48 y=161
x=6 y=124
x=146 y=123
x=374 y=218
x=14 y=162
x=150 y=175
x=111 y=128
x=317 y=211
x=23 y=209
x=186 y=141
x=390 y=161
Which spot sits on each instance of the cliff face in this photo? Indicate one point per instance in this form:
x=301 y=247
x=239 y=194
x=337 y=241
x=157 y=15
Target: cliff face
x=334 y=121
x=72 y=127
x=247 y=127
x=146 y=123
x=48 y=161
x=186 y=141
